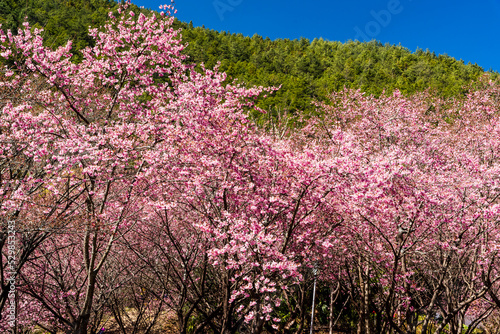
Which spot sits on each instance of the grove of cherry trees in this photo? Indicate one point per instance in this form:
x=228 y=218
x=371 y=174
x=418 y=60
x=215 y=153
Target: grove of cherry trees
x=147 y=200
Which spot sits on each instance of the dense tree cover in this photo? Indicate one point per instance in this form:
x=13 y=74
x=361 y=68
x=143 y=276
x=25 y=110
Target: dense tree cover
x=62 y=20
x=311 y=70
x=306 y=70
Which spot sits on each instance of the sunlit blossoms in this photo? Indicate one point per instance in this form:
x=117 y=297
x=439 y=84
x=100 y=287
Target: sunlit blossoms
x=141 y=186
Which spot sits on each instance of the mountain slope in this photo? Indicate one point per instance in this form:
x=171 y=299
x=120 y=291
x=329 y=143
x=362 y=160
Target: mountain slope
x=306 y=70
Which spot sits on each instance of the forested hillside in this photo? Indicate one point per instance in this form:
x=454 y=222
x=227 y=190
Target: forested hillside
x=61 y=19
x=313 y=69
x=306 y=70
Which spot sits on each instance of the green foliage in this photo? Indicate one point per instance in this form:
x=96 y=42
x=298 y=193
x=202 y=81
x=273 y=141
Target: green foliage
x=61 y=20
x=305 y=70
x=311 y=70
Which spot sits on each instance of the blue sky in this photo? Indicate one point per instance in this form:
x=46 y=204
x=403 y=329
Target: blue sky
x=468 y=30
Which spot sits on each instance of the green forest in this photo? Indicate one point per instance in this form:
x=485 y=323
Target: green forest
x=306 y=70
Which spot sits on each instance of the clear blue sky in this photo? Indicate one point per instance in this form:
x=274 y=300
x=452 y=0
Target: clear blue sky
x=468 y=30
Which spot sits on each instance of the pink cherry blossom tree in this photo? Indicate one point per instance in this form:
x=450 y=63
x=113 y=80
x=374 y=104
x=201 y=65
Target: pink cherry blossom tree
x=88 y=125
x=417 y=205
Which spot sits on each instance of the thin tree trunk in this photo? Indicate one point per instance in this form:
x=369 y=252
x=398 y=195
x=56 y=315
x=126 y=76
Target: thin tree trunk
x=83 y=320
x=333 y=292
x=366 y=305
x=226 y=316
x=362 y=309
